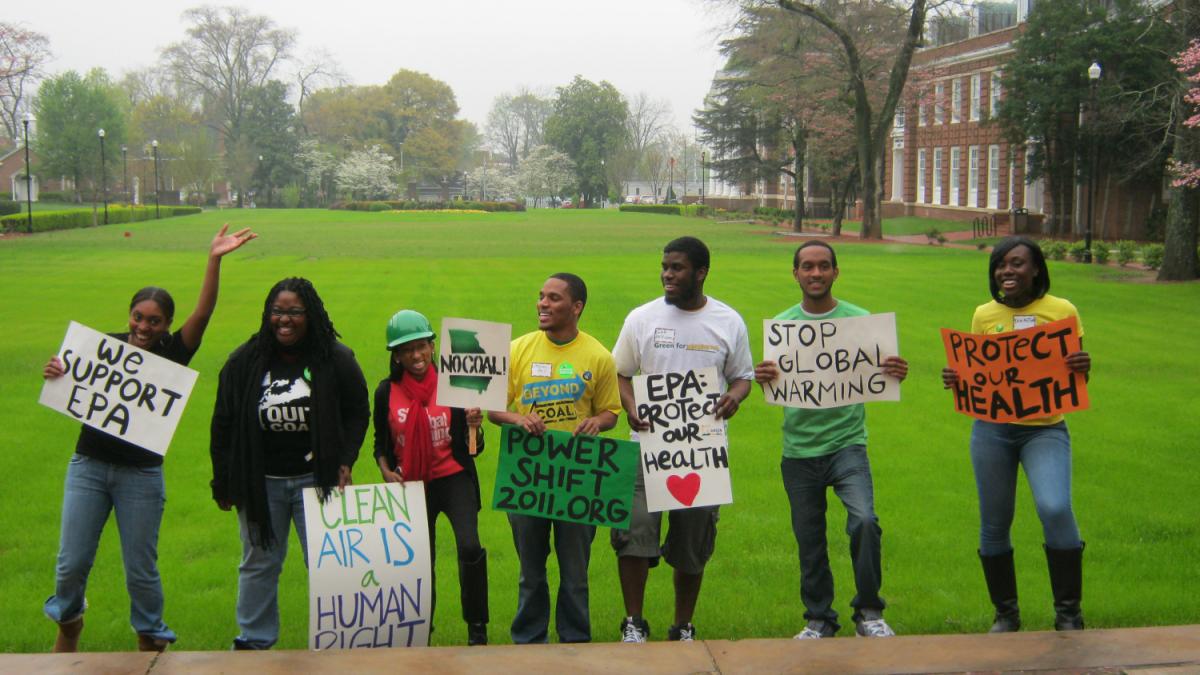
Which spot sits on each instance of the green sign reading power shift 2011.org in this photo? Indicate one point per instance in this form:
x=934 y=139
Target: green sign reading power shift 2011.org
x=581 y=479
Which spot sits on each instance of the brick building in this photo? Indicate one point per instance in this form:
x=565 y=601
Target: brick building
x=949 y=158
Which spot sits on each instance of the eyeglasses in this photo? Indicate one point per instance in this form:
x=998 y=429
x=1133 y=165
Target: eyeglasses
x=292 y=312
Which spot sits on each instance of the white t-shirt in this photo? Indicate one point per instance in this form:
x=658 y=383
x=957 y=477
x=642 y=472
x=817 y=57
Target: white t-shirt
x=658 y=337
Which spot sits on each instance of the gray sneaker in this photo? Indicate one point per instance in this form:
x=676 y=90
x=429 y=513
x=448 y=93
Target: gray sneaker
x=815 y=630
x=874 y=628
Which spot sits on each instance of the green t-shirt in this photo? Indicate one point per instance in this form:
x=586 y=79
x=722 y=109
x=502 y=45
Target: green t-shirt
x=816 y=432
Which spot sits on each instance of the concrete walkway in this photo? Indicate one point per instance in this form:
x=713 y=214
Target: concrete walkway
x=1171 y=649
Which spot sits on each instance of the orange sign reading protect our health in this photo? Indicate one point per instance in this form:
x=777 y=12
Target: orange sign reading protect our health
x=1022 y=374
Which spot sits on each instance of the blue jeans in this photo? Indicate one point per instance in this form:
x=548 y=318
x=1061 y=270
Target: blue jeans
x=258 y=575
x=93 y=488
x=573 y=546
x=1045 y=452
x=848 y=472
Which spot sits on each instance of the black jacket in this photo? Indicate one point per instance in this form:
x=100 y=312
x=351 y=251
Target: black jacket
x=385 y=447
x=339 y=418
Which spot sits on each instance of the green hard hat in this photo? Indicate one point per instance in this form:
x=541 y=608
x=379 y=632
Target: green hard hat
x=406 y=326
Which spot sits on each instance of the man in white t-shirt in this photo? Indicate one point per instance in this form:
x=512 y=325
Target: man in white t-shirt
x=681 y=331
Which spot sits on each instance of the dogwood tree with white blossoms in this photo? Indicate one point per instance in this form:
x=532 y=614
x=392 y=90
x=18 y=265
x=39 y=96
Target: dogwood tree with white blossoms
x=545 y=173
x=367 y=174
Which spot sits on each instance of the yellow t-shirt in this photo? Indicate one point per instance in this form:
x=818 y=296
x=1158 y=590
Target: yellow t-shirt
x=563 y=384
x=995 y=317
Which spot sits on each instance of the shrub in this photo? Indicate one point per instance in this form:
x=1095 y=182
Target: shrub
x=7 y=207
x=934 y=234
x=45 y=221
x=290 y=196
x=1078 y=251
x=1152 y=255
x=697 y=210
x=428 y=206
x=1126 y=252
x=5 y=197
x=1054 y=249
x=1101 y=253
x=48 y=196
x=668 y=209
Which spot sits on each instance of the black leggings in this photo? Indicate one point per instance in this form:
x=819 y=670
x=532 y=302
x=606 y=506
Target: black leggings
x=454 y=496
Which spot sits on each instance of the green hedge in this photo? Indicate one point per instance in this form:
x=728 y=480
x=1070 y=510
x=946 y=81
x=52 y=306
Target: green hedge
x=7 y=207
x=45 y=221
x=774 y=213
x=669 y=209
x=388 y=205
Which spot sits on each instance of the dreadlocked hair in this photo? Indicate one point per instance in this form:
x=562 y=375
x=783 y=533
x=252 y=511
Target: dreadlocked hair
x=321 y=334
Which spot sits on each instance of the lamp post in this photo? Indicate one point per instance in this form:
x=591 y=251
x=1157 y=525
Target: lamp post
x=703 y=163
x=1093 y=78
x=124 y=174
x=28 y=176
x=103 y=175
x=670 y=183
x=154 y=148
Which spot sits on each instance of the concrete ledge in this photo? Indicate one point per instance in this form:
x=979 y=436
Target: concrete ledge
x=1170 y=650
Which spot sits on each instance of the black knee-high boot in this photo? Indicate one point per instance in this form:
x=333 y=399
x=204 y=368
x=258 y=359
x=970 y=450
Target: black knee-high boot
x=473 y=586
x=1066 y=582
x=1001 y=577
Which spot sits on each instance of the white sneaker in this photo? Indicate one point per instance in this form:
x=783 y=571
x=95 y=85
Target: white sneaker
x=808 y=634
x=634 y=630
x=874 y=628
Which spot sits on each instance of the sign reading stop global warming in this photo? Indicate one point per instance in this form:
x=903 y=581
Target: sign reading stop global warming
x=473 y=368
x=582 y=479
x=369 y=581
x=685 y=455
x=829 y=363
x=119 y=389
x=1004 y=377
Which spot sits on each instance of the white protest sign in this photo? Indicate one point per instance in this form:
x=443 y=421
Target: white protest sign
x=473 y=364
x=122 y=390
x=828 y=363
x=369 y=581
x=685 y=453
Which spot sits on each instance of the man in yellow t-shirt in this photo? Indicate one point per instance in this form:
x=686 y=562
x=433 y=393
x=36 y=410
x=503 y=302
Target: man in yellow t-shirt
x=564 y=379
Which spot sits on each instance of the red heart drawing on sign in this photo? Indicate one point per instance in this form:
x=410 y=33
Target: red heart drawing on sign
x=684 y=488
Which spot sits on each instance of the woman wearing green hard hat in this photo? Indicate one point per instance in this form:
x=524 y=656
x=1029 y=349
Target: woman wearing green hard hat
x=417 y=439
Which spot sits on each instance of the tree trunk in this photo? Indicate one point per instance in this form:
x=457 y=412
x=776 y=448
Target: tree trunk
x=798 y=185
x=1183 y=204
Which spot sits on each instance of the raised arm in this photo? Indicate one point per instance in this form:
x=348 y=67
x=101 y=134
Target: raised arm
x=222 y=243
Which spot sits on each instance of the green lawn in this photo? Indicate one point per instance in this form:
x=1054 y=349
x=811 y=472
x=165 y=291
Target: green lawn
x=1133 y=487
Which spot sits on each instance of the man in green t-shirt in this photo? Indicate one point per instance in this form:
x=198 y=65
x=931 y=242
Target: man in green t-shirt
x=823 y=448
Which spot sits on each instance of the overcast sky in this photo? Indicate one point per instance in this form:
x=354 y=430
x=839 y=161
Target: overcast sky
x=481 y=48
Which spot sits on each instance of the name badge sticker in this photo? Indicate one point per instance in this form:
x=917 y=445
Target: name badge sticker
x=540 y=370
x=1023 y=321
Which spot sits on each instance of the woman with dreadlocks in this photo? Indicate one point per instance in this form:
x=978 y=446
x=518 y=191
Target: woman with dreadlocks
x=291 y=413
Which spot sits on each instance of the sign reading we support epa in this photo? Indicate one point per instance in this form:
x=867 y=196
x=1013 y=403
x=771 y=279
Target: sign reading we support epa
x=685 y=453
x=369 y=577
x=1021 y=374
x=120 y=389
x=473 y=364
x=563 y=476
x=829 y=363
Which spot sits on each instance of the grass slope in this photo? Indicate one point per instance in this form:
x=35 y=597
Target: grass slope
x=1133 y=478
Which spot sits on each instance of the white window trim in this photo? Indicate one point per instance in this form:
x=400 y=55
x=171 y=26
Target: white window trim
x=973 y=176
x=993 y=185
x=939 y=158
x=976 y=96
x=939 y=105
x=956 y=101
x=997 y=90
x=922 y=165
x=955 y=174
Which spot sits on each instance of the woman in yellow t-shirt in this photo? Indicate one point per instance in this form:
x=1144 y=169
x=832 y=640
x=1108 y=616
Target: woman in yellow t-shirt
x=1019 y=281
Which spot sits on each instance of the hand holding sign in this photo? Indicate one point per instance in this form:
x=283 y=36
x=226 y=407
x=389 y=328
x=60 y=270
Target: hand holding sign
x=115 y=387
x=685 y=454
x=1024 y=374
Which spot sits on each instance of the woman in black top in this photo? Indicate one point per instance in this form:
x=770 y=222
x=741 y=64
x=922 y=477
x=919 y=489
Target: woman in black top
x=107 y=474
x=291 y=413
